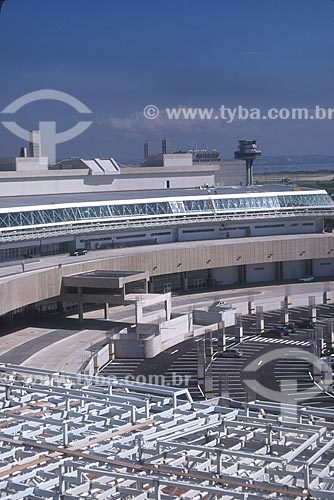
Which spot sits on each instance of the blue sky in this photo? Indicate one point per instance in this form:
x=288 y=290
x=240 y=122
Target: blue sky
x=119 y=56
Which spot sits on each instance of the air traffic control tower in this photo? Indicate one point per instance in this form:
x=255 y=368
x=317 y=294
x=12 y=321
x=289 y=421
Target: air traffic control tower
x=249 y=152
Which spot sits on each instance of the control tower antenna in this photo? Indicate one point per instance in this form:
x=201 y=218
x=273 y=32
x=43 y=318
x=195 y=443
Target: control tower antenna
x=249 y=152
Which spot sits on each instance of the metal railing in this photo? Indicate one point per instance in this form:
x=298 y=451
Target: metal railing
x=172 y=220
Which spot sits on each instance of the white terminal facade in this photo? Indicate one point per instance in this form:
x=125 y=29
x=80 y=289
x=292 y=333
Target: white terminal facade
x=68 y=437
x=101 y=205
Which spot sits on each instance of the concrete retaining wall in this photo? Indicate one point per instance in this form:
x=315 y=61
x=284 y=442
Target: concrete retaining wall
x=128 y=345
x=179 y=329
x=176 y=330
x=203 y=317
x=97 y=361
x=157 y=338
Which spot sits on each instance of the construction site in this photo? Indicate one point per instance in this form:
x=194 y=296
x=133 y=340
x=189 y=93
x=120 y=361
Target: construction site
x=71 y=437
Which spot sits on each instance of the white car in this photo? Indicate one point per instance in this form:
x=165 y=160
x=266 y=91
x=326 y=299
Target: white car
x=222 y=304
x=306 y=279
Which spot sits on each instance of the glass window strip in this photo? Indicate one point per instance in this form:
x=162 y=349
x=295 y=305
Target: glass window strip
x=73 y=214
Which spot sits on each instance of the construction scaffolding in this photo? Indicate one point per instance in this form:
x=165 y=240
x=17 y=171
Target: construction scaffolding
x=71 y=437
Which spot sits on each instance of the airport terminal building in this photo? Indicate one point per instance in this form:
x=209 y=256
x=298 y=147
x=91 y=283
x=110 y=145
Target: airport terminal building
x=182 y=224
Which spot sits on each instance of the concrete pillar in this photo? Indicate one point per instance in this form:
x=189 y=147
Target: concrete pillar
x=80 y=313
x=329 y=335
x=312 y=309
x=208 y=382
x=238 y=329
x=106 y=310
x=208 y=348
x=251 y=307
x=168 y=308
x=249 y=172
x=259 y=320
x=320 y=344
x=287 y=301
x=242 y=274
x=285 y=317
x=184 y=281
x=326 y=297
x=309 y=267
x=80 y=305
x=200 y=363
x=111 y=349
x=316 y=340
x=208 y=378
x=209 y=278
x=146 y=285
x=139 y=312
x=313 y=313
x=278 y=271
x=60 y=307
x=221 y=337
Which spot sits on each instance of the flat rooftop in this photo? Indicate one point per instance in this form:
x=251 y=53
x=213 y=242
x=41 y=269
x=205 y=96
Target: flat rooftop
x=102 y=278
x=112 y=274
x=38 y=200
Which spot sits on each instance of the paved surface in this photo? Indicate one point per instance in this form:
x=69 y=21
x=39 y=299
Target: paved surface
x=61 y=345
x=58 y=350
x=68 y=354
x=178 y=365
x=9 y=341
x=29 y=348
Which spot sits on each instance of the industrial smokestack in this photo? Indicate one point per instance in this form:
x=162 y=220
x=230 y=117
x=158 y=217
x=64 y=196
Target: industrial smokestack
x=147 y=149
x=35 y=144
x=166 y=146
